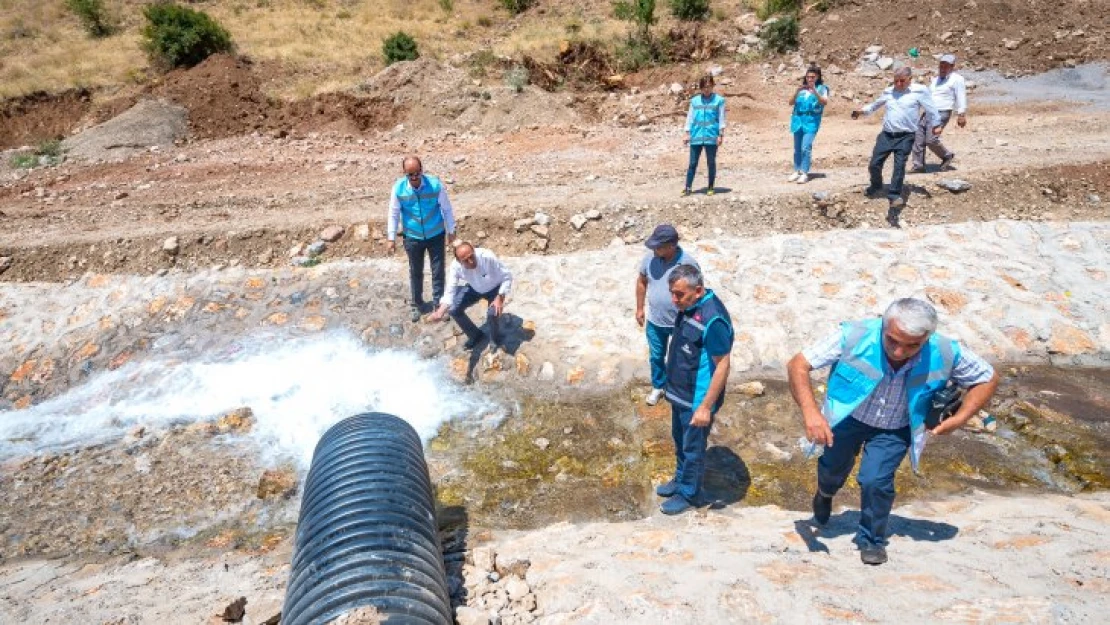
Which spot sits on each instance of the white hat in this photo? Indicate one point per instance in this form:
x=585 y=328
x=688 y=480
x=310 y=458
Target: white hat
x=948 y=58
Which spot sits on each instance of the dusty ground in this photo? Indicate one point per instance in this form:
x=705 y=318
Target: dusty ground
x=247 y=199
x=256 y=177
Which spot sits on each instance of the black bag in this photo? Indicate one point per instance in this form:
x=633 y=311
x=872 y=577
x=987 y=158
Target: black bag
x=945 y=403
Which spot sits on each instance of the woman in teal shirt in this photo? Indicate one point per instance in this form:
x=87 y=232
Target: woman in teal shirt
x=809 y=104
x=705 y=130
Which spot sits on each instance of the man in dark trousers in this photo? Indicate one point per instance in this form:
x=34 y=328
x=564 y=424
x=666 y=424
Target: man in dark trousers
x=697 y=369
x=477 y=274
x=885 y=374
x=419 y=208
x=905 y=103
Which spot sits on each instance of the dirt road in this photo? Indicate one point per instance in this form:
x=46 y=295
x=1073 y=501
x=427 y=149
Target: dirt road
x=247 y=200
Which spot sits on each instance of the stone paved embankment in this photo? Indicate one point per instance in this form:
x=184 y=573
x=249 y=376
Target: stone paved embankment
x=1013 y=291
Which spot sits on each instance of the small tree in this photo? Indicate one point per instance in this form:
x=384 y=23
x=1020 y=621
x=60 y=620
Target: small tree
x=94 y=18
x=640 y=12
x=177 y=36
x=781 y=35
x=517 y=7
x=399 y=47
x=690 y=10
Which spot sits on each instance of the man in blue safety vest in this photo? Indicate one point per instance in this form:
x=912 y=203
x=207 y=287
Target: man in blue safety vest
x=419 y=208
x=885 y=374
x=697 y=368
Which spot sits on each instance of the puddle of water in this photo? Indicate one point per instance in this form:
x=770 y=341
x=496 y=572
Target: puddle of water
x=297 y=389
x=1082 y=84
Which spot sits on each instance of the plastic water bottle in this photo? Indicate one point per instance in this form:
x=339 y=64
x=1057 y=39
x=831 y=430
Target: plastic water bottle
x=810 y=449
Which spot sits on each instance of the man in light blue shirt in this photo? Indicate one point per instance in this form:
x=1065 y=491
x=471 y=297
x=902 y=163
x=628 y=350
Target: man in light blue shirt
x=905 y=103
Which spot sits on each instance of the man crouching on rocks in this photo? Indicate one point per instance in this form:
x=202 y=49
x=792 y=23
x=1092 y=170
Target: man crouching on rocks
x=885 y=374
x=477 y=274
x=697 y=369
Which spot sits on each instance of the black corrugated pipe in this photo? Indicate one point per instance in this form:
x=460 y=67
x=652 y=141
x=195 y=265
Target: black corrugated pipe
x=367 y=533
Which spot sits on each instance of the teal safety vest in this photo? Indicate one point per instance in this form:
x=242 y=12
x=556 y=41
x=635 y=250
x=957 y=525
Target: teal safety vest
x=421 y=217
x=860 y=369
x=705 y=126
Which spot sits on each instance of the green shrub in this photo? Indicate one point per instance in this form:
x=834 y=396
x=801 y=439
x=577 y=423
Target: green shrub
x=690 y=10
x=780 y=35
x=399 y=47
x=48 y=152
x=640 y=12
x=517 y=6
x=636 y=54
x=447 y=5
x=773 y=7
x=177 y=36
x=517 y=78
x=481 y=61
x=94 y=18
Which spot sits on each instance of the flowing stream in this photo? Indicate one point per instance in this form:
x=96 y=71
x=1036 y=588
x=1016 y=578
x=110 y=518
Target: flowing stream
x=296 y=388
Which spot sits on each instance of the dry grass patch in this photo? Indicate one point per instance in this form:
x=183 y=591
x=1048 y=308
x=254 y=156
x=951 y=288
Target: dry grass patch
x=324 y=45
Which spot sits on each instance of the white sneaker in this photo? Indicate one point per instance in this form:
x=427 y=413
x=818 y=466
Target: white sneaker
x=802 y=179
x=794 y=176
x=654 y=396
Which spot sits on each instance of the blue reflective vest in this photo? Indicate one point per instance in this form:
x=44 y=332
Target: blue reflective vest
x=689 y=367
x=421 y=217
x=860 y=369
x=705 y=126
x=808 y=111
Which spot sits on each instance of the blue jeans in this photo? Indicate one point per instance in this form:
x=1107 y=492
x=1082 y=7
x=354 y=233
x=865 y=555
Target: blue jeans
x=689 y=447
x=467 y=297
x=657 y=338
x=803 y=149
x=883 y=451
x=710 y=161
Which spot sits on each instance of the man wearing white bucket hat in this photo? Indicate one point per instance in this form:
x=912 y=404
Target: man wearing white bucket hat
x=949 y=93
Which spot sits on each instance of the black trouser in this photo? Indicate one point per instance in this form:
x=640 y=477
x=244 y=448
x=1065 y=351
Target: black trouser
x=415 y=249
x=898 y=143
x=466 y=297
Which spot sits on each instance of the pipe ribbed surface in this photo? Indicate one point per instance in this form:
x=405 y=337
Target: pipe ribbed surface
x=367 y=534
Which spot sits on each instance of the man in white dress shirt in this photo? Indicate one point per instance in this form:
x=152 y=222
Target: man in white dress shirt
x=905 y=103
x=476 y=274
x=949 y=93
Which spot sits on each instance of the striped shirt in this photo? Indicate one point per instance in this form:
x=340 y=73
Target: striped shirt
x=887 y=406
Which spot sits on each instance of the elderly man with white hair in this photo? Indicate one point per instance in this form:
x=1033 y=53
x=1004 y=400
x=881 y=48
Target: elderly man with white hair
x=949 y=93
x=885 y=375
x=905 y=103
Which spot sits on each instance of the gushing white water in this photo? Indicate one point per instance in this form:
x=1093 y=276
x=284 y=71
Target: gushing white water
x=297 y=389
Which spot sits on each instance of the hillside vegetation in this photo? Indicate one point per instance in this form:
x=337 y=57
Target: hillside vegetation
x=322 y=45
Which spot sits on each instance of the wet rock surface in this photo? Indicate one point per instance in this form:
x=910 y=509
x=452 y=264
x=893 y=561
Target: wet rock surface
x=1043 y=299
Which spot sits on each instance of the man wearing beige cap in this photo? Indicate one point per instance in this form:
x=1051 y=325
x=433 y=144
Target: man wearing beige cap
x=949 y=93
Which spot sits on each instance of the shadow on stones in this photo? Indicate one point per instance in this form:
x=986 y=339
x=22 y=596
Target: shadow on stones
x=847 y=523
x=454 y=534
x=815 y=175
x=716 y=190
x=727 y=478
x=513 y=335
x=916 y=189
